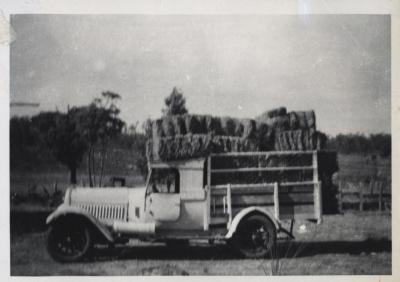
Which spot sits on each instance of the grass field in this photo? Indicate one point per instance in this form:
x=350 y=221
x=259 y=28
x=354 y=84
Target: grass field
x=361 y=167
x=353 y=243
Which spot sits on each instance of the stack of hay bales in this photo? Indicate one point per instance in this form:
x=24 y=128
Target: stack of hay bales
x=282 y=120
x=191 y=136
x=299 y=140
x=293 y=130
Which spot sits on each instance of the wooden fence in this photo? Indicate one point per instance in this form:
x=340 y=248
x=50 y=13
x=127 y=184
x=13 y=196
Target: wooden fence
x=362 y=195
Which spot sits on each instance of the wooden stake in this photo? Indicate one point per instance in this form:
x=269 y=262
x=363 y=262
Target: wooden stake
x=340 y=197
x=380 y=195
x=276 y=200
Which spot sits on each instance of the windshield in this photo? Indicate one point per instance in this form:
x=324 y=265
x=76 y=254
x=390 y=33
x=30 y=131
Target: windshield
x=163 y=180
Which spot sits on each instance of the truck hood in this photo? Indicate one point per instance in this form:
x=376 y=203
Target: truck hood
x=104 y=195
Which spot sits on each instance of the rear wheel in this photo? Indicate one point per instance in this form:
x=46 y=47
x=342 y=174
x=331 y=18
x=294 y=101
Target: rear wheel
x=255 y=237
x=69 y=241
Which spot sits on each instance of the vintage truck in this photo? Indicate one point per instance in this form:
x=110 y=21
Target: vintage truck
x=242 y=198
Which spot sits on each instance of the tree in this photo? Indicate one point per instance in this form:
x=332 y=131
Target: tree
x=98 y=123
x=70 y=135
x=359 y=143
x=175 y=104
x=60 y=133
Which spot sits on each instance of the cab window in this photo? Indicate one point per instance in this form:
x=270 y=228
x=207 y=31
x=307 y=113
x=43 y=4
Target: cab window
x=164 y=181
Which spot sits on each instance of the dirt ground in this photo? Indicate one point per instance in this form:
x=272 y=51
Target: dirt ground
x=353 y=243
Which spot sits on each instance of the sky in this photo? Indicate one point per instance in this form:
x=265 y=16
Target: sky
x=228 y=65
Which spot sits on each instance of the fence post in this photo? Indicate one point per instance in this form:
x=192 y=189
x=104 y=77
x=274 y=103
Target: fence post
x=372 y=183
x=380 y=195
x=361 y=196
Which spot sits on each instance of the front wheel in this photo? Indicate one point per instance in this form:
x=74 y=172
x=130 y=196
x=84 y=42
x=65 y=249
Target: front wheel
x=69 y=241
x=255 y=237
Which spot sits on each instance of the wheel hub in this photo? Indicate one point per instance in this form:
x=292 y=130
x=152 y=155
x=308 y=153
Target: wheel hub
x=260 y=237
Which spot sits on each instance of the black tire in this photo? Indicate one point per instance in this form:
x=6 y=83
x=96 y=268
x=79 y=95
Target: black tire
x=69 y=241
x=255 y=237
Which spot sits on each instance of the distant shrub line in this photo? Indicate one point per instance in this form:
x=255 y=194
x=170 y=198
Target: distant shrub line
x=379 y=144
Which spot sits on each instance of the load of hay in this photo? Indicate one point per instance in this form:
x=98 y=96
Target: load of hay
x=192 y=136
x=198 y=145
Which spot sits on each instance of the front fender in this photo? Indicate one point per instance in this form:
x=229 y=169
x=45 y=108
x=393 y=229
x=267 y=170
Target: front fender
x=65 y=210
x=243 y=213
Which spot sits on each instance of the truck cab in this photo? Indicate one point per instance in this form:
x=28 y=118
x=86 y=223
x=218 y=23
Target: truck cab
x=214 y=197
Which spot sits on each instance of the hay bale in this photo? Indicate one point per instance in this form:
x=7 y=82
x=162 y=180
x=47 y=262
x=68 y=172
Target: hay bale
x=311 y=120
x=235 y=145
x=249 y=128
x=168 y=126
x=200 y=145
x=262 y=118
x=179 y=125
x=213 y=125
x=302 y=120
x=280 y=123
x=320 y=140
x=281 y=111
x=228 y=126
x=265 y=136
x=239 y=128
x=293 y=121
x=193 y=124
x=299 y=140
x=203 y=126
x=292 y=140
x=250 y=145
x=192 y=146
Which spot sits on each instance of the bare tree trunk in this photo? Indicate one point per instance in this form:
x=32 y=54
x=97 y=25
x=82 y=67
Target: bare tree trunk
x=103 y=153
x=93 y=168
x=90 y=166
x=72 y=177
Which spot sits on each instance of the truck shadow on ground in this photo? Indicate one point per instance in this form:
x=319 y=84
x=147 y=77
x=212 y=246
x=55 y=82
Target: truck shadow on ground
x=223 y=251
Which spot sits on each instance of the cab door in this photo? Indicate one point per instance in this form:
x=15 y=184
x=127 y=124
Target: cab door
x=164 y=206
x=163 y=202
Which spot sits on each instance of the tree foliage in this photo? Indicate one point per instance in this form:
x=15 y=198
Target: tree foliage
x=70 y=135
x=359 y=143
x=60 y=133
x=175 y=104
x=26 y=149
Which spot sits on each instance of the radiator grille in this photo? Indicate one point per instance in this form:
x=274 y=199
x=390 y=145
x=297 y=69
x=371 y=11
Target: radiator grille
x=106 y=211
